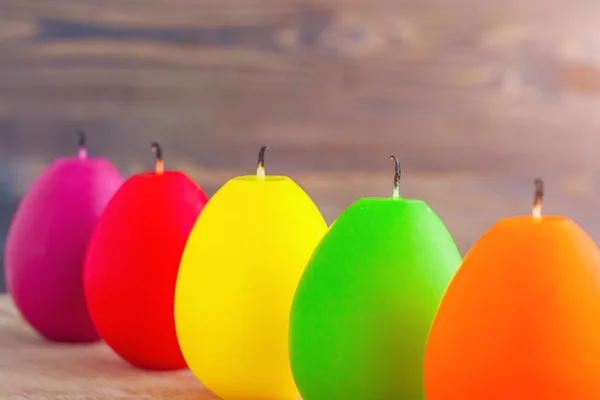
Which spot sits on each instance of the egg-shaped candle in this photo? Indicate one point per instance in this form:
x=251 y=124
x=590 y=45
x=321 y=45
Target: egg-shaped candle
x=520 y=320
x=364 y=306
x=236 y=281
x=132 y=263
x=47 y=240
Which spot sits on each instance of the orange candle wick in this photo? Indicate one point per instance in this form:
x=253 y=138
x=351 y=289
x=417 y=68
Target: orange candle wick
x=537 y=199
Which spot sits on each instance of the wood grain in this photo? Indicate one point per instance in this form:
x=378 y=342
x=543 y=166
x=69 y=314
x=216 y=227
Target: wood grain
x=475 y=98
x=31 y=368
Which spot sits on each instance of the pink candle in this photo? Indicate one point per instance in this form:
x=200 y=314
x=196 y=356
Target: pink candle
x=47 y=241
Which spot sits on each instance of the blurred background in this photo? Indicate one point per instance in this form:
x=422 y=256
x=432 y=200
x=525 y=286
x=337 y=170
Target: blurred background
x=476 y=98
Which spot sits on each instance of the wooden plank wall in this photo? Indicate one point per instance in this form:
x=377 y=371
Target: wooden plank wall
x=475 y=97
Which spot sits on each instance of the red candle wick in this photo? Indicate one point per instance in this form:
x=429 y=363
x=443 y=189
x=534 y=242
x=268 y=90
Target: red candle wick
x=160 y=167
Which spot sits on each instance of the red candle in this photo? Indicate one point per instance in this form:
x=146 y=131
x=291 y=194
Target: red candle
x=132 y=264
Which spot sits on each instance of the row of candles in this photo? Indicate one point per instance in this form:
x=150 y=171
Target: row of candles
x=261 y=299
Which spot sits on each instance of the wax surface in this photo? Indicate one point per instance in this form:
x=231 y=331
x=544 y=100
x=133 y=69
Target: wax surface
x=520 y=320
x=364 y=306
x=237 y=278
x=46 y=244
x=132 y=265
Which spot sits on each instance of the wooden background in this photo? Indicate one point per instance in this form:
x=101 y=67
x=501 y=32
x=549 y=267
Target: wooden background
x=475 y=97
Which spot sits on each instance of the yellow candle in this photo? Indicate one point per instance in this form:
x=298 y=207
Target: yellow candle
x=236 y=282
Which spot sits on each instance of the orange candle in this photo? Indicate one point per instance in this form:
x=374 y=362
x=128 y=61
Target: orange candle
x=521 y=318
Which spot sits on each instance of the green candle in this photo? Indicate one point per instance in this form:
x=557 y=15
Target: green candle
x=366 y=301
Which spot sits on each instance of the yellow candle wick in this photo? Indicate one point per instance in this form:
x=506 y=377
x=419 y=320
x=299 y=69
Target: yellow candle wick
x=260 y=173
x=260 y=170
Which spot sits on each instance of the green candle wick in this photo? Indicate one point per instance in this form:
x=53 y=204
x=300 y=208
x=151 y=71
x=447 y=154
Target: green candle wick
x=260 y=170
x=397 y=176
x=537 y=198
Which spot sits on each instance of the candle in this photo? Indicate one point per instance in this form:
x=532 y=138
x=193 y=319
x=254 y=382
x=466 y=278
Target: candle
x=132 y=263
x=520 y=319
x=364 y=306
x=46 y=244
x=236 y=281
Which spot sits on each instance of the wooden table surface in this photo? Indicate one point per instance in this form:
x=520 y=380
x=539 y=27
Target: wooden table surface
x=32 y=368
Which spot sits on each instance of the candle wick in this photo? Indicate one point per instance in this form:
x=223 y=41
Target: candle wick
x=397 y=176
x=537 y=199
x=82 y=144
x=260 y=170
x=160 y=165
